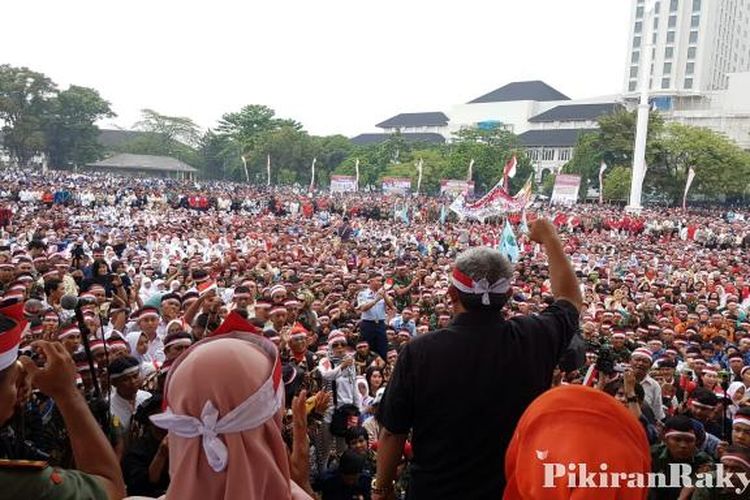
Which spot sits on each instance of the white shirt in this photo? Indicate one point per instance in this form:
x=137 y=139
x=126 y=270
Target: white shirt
x=652 y=397
x=122 y=409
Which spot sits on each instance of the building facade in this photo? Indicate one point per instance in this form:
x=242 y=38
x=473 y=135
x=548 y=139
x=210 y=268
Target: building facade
x=696 y=44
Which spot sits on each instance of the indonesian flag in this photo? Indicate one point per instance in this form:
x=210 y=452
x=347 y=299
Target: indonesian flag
x=510 y=168
x=206 y=286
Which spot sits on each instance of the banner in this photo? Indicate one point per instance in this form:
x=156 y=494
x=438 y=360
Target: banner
x=495 y=203
x=455 y=187
x=343 y=183
x=396 y=185
x=566 y=189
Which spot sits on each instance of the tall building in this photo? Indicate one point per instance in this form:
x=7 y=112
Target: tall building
x=695 y=43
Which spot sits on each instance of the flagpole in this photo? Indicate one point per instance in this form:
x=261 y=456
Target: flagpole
x=602 y=168
x=268 y=169
x=471 y=170
x=312 y=177
x=356 y=172
x=420 y=164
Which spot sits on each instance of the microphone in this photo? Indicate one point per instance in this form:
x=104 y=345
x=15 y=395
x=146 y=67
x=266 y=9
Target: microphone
x=71 y=302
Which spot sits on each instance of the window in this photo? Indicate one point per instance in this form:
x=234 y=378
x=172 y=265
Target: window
x=693 y=37
x=634 y=72
x=548 y=154
x=656 y=23
x=631 y=86
x=563 y=154
x=689 y=68
x=673 y=5
x=533 y=154
x=695 y=21
x=657 y=6
x=636 y=42
x=670 y=36
x=665 y=83
x=696 y=5
x=638 y=26
x=667 y=68
x=669 y=53
x=691 y=52
x=639 y=12
x=688 y=83
x=636 y=57
x=672 y=21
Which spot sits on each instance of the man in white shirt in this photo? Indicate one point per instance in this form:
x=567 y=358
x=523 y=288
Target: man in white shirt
x=148 y=323
x=125 y=375
x=641 y=361
x=371 y=303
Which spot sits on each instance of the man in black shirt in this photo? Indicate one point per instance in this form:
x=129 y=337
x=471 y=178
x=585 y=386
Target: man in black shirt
x=461 y=390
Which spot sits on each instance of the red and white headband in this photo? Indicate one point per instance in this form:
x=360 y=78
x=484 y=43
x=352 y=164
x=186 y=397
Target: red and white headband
x=679 y=434
x=741 y=419
x=727 y=457
x=251 y=413
x=466 y=284
x=179 y=341
x=68 y=332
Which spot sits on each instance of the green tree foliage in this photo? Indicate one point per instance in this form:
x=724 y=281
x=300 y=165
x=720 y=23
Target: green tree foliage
x=164 y=135
x=617 y=183
x=721 y=167
x=491 y=150
x=71 y=136
x=24 y=102
x=613 y=143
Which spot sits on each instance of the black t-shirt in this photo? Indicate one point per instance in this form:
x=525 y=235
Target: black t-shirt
x=461 y=390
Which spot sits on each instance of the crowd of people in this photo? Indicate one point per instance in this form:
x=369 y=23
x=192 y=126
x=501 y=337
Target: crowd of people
x=125 y=275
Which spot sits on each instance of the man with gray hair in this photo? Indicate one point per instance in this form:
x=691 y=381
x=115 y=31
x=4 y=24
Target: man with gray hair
x=461 y=390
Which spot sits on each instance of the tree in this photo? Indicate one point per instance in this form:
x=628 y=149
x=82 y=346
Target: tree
x=613 y=143
x=164 y=135
x=169 y=128
x=617 y=183
x=721 y=167
x=246 y=127
x=491 y=150
x=71 y=136
x=24 y=99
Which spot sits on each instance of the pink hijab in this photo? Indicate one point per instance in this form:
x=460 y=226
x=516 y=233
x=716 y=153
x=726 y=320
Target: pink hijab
x=226 y=371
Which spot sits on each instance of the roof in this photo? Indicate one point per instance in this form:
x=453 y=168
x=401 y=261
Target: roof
x=430 y=119
x=144 y=162
x=535 y=90
x=576 y=112
x=555 y=137
x=365 y=139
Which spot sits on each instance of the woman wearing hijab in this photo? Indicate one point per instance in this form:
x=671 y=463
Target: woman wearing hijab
x=736 y=392
x=575 y=425
x=339 y=376
x=138 y=343
x=225 y=401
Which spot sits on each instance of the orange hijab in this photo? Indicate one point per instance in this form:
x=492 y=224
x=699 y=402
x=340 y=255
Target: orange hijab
x=575 y=425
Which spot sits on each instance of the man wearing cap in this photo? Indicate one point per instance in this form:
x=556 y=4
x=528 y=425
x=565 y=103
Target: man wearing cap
x=371 y=303
x=457 y=456
x=98 y=475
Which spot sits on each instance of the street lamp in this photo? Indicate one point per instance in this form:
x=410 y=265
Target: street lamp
x=641 y=132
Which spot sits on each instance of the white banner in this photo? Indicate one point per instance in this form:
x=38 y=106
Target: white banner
x=456 y=187
x=566 y=189
x=396 y=185
x=343 y=184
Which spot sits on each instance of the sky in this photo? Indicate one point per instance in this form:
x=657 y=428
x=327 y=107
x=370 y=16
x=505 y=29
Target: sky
x=335 y=66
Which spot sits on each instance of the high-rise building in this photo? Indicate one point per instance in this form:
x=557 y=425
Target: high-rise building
x=695 y=44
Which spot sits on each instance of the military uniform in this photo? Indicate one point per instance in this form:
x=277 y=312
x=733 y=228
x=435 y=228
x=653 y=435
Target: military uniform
x=29 y=479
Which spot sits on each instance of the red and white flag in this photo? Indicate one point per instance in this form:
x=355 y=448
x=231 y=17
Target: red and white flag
x=206 y=286
x=510 y=168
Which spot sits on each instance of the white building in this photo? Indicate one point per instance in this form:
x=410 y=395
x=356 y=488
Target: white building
x=696 y=44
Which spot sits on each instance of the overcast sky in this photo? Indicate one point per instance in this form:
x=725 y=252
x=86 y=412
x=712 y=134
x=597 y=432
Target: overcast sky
x=337 y=66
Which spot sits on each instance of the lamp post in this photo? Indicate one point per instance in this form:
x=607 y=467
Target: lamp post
x=641 y=132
